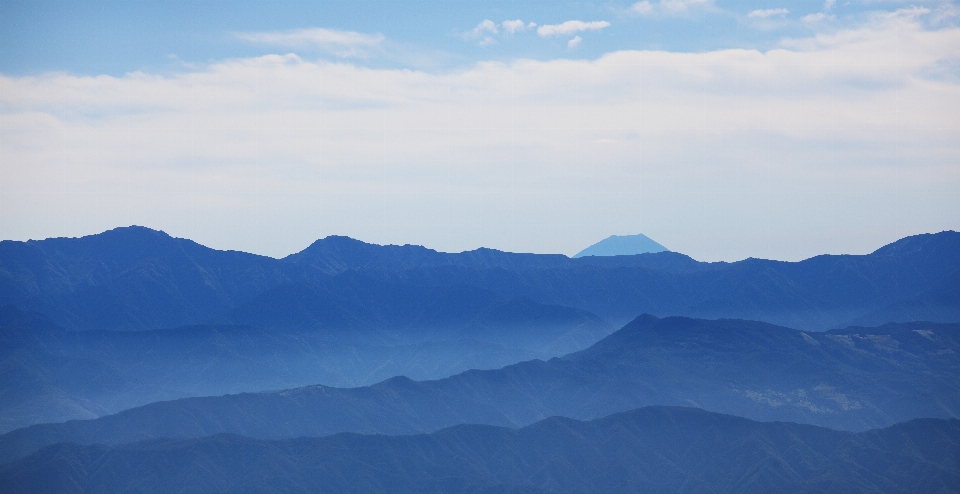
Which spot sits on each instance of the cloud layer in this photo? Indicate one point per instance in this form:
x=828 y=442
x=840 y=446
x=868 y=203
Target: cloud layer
x=844 y=139
x=671 y=8
x=571 y=27
x=765 y=13
x=344 y=44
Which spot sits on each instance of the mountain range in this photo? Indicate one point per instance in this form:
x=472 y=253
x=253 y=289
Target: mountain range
x=135 y=278
x=852 y=379
x=48 y=374
x=346 y=313
x=650 y=450
x=134 y=361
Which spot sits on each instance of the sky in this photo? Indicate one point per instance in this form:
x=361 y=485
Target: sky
x=722 y=130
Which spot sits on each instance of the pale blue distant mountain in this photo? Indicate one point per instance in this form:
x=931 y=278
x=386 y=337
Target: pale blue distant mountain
x=623 y=245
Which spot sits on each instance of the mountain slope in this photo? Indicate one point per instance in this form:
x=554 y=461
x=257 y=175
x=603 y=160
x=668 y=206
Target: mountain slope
x=136 y=278
x=656 y=449
x=815 y=294
x=130 y=278
x=938 y=303
x=363 y=307
x=336 y=254
x=48 y=374
x=854 y=380
x=622 y=245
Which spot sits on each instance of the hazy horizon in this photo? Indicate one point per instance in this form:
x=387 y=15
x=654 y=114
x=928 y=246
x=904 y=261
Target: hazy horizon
x=305 y=246
x=724 y=130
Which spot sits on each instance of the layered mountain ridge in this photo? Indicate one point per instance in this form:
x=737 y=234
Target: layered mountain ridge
x=654 y=449
x=852 y=379
x=135 y=278
x=48 y=374
x=351 y=366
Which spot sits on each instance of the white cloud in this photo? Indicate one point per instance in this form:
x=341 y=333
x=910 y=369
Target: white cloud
x=944 y=13
x=910 y=12
x=681 y=7
x=642 y=8
x=823 y=15
x=485 y=26
x=482 y=32
x=765 y=13
x=344 y=44
x=513 y=26
x=815 y=18
x=571 y=27
x=516 y=25
x=670 y=8
x=573 y=43
x=841 y=136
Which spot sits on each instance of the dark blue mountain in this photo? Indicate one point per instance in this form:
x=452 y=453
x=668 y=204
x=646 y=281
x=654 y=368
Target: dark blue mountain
x=387 y=309
x=650 y=450
x=136 y=278
x=343 y=312
x=938 y=303
x=249 y=323
x=131 y=278
x=853 y=379
x=48 y=374
x=336 y=254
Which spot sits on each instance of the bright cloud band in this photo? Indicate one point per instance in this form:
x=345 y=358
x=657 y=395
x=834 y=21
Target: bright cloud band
x=844 y=115
x=571 y=27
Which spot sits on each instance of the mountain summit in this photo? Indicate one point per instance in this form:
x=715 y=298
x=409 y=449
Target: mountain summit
x=623 y=245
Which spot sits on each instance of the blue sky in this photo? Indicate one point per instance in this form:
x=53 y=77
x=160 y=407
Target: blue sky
x=119 y=37
x=720 y=129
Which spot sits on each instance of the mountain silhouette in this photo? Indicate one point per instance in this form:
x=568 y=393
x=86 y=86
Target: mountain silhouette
x=130 y=278
x=135 y=279
x=48 y=374
x=654 y=449
x=171 y=354
x=852 y=379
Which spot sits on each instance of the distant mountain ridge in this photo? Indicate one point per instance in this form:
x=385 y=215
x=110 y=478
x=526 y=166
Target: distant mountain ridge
x=622 y=245
x=654 y=449
x=161 y=318
x=131 y=278
x=335 y=254
x=852 y=379
x=135 y=278
x=48 y=374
